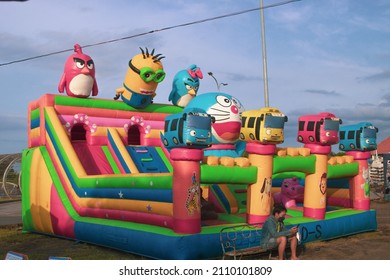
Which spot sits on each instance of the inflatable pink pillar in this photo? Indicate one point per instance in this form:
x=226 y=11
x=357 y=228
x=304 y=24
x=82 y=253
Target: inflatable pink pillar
x=359 y=191
x=315 y=184
x=186 y=193
x=259 y=195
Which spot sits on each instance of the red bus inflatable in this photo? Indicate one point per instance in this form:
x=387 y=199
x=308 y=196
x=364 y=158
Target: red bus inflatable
x=321 y=129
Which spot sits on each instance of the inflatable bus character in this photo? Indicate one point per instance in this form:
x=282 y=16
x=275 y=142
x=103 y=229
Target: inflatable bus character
x=144 y=74
x=321 y=129
x=188 y=129
x=263 y=126
x=358 y=137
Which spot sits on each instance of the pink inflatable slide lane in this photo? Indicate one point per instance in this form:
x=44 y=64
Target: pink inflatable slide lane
x=92 y=158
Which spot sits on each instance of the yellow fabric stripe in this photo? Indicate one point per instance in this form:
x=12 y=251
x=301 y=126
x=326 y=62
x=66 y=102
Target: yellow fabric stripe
x=40 y=189
x=65 y=142
x=122 y=150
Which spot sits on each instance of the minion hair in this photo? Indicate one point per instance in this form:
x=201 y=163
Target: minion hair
x=156 y=58
x=146 y=54
x=143 y=53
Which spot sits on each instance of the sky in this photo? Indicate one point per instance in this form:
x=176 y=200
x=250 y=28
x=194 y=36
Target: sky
x=322 y=55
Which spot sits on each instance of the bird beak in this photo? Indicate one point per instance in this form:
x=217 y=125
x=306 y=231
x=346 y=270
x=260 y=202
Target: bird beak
x=192 y=92
x=85 y=71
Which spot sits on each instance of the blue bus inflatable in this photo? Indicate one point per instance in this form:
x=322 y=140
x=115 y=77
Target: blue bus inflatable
x=358 y=137
x=189 y=129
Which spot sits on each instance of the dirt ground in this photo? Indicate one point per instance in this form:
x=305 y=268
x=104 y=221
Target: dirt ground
x=365 y=246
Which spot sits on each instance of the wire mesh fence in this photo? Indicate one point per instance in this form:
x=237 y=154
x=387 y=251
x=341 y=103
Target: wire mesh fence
x=10 y=175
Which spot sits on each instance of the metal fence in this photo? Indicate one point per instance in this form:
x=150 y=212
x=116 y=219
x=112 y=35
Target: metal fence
x=10 y=176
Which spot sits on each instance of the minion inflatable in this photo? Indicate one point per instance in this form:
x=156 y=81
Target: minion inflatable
x=142 y=78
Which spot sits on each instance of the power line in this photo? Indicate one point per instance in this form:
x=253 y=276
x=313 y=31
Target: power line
x=152 y=31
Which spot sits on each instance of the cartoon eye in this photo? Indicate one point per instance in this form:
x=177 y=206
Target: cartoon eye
x=367 y=141
x=188 y=87
x=90 y=64
x=192 y=132
x=208 y=134
x=80 y=64
x=147 y=75
x=268 y=131
x=196 y=88
x=224 y=101
x=327 y=134
x=237 y=103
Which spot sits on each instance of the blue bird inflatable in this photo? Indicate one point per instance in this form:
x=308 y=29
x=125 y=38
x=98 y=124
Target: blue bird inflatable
x=185 y=85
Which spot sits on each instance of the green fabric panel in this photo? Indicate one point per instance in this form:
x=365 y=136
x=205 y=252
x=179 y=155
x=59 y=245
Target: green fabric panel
x=158 y=181
x=26 y=167
x=164 y=159
x=231 y=218
x=343 y=170
x=222 y=174
x=111 y=160
x=114 y=105
x=58 y=185
x=298 y=220
x=35 y=113
x=294 y=213
x=341 y=213
x=298 y=163
x=287 y=175
x=60 y=148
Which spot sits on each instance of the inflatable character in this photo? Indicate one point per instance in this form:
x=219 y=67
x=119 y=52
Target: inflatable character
x=79 y=75
x=225 y=130
x=144 y=74
x=185 y=85
x=291 y=193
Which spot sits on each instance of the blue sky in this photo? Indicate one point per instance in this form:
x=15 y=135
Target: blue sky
x=322 y=55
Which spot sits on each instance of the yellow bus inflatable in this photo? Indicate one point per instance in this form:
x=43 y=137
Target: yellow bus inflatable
x=263 y=126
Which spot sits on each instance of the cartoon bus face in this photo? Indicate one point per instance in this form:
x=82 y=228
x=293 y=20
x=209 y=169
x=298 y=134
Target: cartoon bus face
x=358 y=137
x=264 y=126
x=190 y=129
x=322 y=129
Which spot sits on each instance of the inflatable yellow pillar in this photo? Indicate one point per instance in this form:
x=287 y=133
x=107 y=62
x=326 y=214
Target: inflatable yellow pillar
x=259 y=196
x=185 y=188
x=359 y=191
x=314 y=203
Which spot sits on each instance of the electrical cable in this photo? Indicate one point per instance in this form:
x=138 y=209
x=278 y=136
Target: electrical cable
x=149 y=32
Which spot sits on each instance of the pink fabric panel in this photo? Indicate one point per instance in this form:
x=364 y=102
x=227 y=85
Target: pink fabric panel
x=63 y=224
x=92 y=158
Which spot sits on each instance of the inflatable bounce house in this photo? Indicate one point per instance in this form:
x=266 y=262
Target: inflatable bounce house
x=133 y=175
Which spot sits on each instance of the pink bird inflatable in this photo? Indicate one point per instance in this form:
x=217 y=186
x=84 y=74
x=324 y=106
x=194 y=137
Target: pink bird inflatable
x=79 y=75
